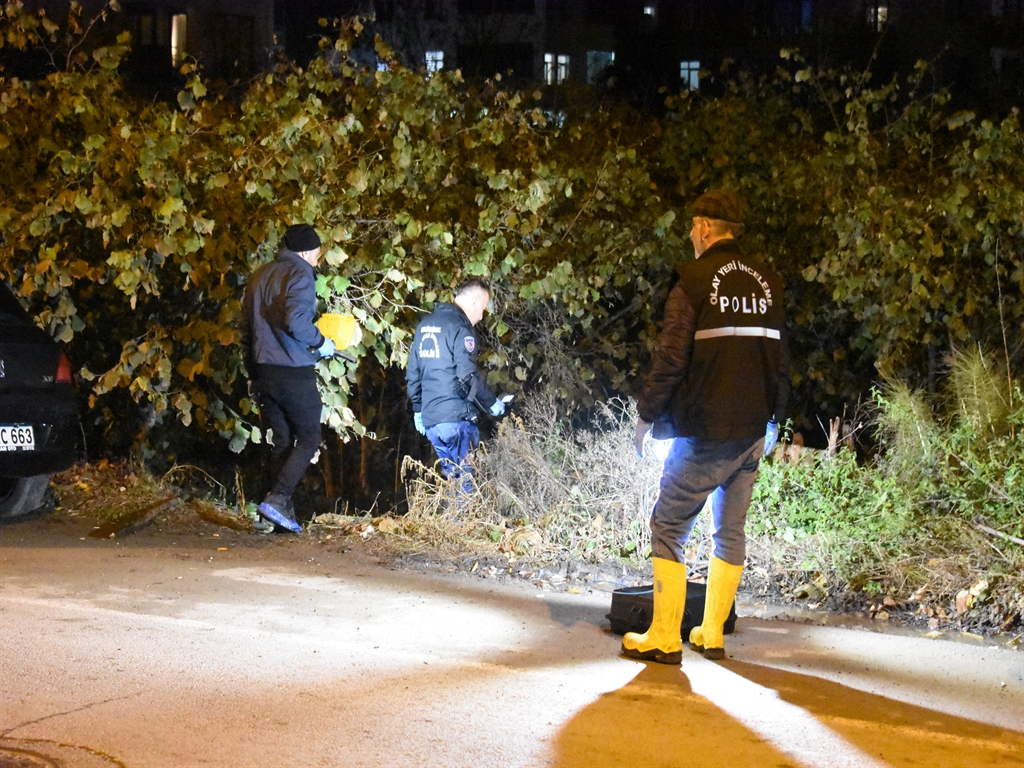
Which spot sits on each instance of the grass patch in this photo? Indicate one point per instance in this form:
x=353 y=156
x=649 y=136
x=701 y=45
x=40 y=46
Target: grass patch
x=930 y=523
x=542 y=493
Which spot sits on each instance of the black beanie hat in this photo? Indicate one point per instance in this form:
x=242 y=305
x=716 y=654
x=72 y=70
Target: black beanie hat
x=301 y=237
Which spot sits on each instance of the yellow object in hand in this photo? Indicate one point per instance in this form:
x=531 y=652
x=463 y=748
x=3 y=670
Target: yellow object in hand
x=343 y=330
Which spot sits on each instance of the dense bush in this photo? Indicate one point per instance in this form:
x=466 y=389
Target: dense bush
x=156 y=213
x=896 y=223
x=130 y=226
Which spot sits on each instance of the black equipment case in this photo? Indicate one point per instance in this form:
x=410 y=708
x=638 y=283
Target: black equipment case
x=633 y=607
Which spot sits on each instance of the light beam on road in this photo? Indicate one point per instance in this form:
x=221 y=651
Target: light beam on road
x=787 y=727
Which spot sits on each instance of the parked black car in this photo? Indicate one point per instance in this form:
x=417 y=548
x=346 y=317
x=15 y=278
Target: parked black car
x=39 y=426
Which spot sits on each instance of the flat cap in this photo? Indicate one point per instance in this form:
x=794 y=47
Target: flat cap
x=720 y=204
x=300 y=238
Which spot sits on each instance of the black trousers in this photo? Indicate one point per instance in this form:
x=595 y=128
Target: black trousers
x=290 y=406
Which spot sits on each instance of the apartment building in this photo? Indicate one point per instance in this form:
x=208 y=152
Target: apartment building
x=229 y=38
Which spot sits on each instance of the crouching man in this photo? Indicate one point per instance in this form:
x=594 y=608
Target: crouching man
x=447 y=389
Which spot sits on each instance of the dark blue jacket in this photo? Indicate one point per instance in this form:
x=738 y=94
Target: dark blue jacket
x=277 y=315
x=442 y=377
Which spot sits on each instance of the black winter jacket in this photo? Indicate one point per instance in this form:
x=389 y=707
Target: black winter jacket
x=277 y=315
x=442 y=377
x=721 y=367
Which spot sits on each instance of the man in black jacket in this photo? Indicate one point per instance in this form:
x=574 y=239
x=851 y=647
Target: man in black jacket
x=720 y=374
x=280 y=345
x=446 y=388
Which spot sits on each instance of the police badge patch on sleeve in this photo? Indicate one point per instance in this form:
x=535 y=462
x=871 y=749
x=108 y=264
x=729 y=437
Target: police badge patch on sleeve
x=470 y=343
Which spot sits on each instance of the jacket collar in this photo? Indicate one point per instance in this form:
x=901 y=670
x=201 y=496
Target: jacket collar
x=729 y=245
x=287 y=255
x=451 y=306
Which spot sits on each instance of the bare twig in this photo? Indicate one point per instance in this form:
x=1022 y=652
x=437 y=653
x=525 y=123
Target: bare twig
x=1000 y=534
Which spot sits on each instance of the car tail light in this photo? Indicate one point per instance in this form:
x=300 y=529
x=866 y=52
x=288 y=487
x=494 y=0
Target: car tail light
x=63 y=369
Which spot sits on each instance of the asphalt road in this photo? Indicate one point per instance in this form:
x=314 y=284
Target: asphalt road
x=189 y=650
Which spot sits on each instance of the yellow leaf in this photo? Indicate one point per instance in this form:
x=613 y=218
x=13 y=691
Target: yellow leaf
x=170 y=205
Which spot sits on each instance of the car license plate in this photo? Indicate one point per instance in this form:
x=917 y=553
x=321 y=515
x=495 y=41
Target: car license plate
x=17 y=438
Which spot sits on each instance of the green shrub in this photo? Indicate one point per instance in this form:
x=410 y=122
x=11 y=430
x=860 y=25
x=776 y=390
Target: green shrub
x=937 y=508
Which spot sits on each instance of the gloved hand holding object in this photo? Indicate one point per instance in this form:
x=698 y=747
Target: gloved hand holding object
x=498 y=409
x=642 y=428
x=327 y=349
x=771 y=437
x=417 y=419
x=344 y=331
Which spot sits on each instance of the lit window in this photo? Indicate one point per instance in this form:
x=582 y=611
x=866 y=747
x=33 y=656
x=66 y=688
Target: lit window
x=689 y=73
x=650 y=10
x=556 y=68
x=178 y=41
x=597 y=63
x=878 y=14
x=563 y=69
x=435 y=61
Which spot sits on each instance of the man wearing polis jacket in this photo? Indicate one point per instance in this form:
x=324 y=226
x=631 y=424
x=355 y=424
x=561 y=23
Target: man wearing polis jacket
x=720 y=374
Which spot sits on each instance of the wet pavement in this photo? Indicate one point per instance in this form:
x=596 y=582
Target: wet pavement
x=238 y=650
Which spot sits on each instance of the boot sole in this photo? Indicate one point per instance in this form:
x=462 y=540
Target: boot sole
x=712 y=654
x=277 y=518
x=655 y=654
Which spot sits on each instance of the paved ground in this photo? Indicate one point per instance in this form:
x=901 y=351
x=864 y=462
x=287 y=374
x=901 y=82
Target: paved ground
x=163 y=650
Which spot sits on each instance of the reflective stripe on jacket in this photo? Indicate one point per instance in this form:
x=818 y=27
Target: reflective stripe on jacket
x=721 y=367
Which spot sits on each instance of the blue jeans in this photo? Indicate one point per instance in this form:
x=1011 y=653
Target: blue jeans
x=698 y=468
x=453 y=440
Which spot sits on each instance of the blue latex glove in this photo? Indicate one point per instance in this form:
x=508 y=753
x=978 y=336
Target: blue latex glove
x=498 y=409
x=771 y=437
x=417 y=419
x=327 y=348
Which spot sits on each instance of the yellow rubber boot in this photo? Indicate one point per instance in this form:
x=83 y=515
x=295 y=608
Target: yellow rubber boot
x=723 y=581
x=663 y=642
